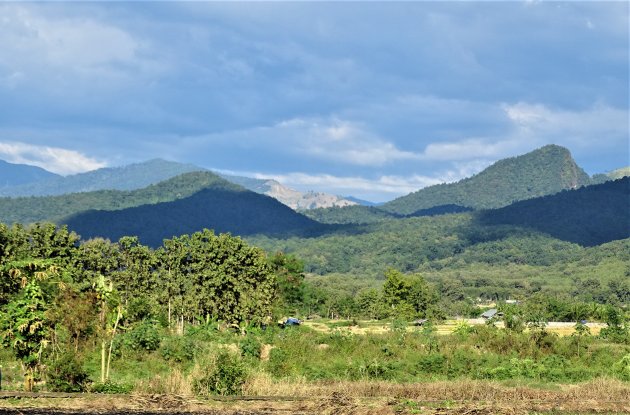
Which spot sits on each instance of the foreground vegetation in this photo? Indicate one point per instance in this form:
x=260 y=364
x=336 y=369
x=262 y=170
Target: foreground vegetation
x=200 y=312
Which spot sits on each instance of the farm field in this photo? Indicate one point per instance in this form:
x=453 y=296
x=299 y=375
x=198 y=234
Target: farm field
x=364 y=327
x=383 y=398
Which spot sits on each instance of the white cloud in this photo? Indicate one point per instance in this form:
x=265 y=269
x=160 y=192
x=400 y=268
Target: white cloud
x=533 y=125
x=343 y=141
x=537 y=124
x=56 y=160
x=468 y=149
x=35 y=42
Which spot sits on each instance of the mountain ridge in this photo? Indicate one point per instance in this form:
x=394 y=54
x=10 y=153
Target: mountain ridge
x=544 y=171
x=12 y=174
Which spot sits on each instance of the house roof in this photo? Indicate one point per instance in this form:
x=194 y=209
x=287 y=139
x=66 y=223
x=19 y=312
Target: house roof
x=490 y=313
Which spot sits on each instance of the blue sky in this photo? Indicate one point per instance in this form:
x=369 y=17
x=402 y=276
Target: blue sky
x=367 y=99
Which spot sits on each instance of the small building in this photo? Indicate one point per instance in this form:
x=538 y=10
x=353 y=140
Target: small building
x=492 y=313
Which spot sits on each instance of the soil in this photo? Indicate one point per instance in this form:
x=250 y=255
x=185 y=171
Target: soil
x=335 y=404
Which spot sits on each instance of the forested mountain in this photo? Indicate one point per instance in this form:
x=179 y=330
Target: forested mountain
x=371 y=214
x=238 y=211
x=131 y=177
x=516 y=234
x=589 y=216
x=541 y=172
x=183 y=204
x=21 y=174
x=56 y=208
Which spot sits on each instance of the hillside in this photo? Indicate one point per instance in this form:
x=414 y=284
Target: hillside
x=541 y=172
x=55 y=208
x=538 y=232
x=587 y=216
x=21 y=174
x=240 y=212
x=131 y=177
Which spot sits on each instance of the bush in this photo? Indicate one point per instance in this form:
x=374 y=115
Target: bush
x=622 y=368
x=225 y=376
x=433 y=363
x=66 y=374
x=250 y=347
x=279 y=364
x=178 y=349
x=144 y=336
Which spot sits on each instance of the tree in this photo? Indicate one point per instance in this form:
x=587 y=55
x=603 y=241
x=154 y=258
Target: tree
x=24 y=326
x=408 y=296
x=289 y=272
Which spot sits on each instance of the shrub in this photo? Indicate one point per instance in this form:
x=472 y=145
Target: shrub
x=66 y=374
x=279 y=364
x=433 y=363
x=250 y=347
x=224 y=376
x=178 y=349
x=622 y=368
x=144 y=336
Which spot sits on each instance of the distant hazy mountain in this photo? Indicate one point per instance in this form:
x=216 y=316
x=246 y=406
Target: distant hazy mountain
x=361 y=201
x=21 y=174
x=56 y=208
x=133 y=176
x=589 y=216
x=293 y=198
x=541 y=172
x=612 y=175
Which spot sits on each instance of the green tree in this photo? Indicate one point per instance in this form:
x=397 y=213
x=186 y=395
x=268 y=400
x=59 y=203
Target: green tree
x=24 y=326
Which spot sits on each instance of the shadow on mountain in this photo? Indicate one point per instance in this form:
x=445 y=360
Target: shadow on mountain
x=440 y=210
x=588 y=216
x=237 y=212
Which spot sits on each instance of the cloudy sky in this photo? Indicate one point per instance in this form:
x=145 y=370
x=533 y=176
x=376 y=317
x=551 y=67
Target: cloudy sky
x=367 y=99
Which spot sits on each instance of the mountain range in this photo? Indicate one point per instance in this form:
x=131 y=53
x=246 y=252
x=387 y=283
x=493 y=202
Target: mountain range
x=23 y=180
x=193 y=199
x=15 y=175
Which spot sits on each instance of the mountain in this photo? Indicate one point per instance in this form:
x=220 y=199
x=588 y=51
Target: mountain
x=183 y=204
x=240 y=212
x=541 y=172
x=139 y=175
x=56 y=208
x=361 y=201
x=21 y=174
x=538 y=232
x=131 y=177
x=293 y=198
x=611 y=175
x=588 y=216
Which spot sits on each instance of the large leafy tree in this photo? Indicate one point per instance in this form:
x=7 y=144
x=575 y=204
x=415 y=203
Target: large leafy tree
x=236 y=283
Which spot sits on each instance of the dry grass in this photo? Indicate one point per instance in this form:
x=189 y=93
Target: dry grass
x=461 y=390
x=361 y=398
x=172 y=383
x=374 y=327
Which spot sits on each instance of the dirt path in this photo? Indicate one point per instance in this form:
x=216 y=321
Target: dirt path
x=441 y=398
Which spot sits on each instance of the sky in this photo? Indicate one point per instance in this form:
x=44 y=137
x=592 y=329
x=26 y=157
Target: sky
x=369 y=99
